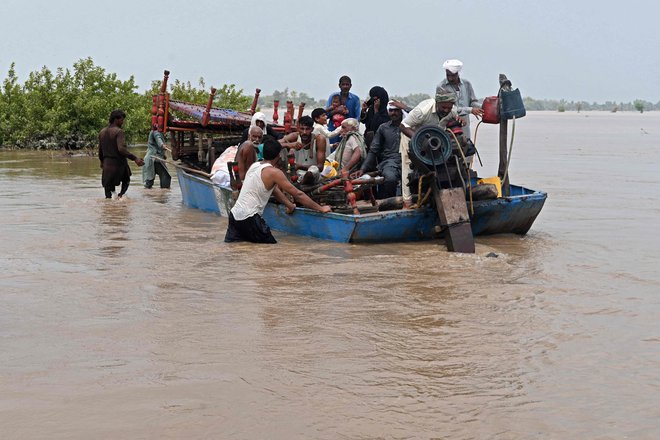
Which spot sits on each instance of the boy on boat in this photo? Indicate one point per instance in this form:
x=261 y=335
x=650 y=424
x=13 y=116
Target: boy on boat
x=263 y=179
x=320 y=118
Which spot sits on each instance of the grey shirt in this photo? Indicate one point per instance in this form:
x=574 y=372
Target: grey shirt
x=465 y=100
x=384 y=147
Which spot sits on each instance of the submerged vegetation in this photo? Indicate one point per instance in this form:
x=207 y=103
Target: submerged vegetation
x=67 y=108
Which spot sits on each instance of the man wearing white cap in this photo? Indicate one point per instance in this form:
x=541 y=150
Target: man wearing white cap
x=466 y=100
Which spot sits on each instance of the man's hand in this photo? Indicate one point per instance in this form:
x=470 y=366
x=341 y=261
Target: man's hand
x=290 y=208
x=478 y=112
x=398 y=104
x=325 y=208
x=461 y=120
x=357 y=174
x=139 y=161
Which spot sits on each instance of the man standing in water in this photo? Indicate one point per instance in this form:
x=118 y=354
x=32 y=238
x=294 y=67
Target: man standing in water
x=153 y=166
x=263 y=179
x=114 y=156
x=466 y=101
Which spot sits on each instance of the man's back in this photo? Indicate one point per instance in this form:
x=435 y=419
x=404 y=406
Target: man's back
x=110 y=138
x=254 y=194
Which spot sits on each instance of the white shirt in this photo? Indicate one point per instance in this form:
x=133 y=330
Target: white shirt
x=424 y=114
x=323 y=130
x=254 y=195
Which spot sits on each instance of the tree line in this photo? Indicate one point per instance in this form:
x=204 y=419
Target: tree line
x=562 y=105
x=67 y=108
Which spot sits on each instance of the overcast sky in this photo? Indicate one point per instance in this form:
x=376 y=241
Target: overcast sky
x=593 y=50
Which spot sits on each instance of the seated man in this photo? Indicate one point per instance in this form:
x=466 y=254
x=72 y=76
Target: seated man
x=259 y=120
x=385 y=151
x=248 y=152
x=352 y=149
x=437 y=112
x=309 y=150
x=263 y=179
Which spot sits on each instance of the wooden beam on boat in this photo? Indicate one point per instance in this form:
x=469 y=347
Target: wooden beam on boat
x=253 y=107
x=206 y=117
x=301 y=107
x=505 y=85
x=453 y=215
x=276 y=116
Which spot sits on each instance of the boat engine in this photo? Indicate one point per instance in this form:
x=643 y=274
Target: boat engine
x=434 y=150
x=435 y=153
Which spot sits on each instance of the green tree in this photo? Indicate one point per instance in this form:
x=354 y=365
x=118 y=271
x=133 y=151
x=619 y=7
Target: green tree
x=639 y=105
x=12 y=117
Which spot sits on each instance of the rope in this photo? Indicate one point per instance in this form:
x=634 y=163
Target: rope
x=421 y=201
x=467 y=170
x=190 y=170
x=508 y=158
x=474 y=142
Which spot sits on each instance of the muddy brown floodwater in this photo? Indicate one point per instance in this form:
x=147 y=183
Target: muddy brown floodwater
x=132 y=318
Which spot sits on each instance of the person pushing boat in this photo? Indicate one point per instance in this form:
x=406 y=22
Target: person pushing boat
x=261 y=180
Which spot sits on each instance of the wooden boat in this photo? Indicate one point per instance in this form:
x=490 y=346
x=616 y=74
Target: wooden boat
x=513 y=214
x=194 y=143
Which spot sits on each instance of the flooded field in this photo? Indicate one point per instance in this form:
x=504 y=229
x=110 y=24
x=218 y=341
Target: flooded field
x=133 y=319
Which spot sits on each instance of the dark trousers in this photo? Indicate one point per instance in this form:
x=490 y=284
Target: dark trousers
x=110 y=189
x=392 y=175
x=163 y=176
x=253 y=229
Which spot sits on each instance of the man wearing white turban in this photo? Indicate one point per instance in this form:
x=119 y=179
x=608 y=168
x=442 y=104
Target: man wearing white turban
x=259 y=120
x=466 y=100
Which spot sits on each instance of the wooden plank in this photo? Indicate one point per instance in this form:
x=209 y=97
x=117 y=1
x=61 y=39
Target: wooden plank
x=453 y=214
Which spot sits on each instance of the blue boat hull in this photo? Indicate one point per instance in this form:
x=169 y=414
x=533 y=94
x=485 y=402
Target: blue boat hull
x=513 y=214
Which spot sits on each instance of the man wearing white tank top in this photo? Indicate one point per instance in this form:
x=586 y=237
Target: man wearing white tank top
x=261 y=180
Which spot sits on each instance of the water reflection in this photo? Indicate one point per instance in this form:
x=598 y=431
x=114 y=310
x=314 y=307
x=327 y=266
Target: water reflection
x=114 y=224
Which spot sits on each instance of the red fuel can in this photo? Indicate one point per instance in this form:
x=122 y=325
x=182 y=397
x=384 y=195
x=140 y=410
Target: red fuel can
x=491 y=108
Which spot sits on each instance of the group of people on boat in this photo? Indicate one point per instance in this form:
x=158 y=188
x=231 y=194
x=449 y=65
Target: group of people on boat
x=330 y=143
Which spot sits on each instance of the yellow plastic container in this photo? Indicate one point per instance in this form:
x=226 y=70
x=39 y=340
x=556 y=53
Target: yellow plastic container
x=492 y=180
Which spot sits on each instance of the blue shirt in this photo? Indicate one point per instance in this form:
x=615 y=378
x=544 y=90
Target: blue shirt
x=352 y=105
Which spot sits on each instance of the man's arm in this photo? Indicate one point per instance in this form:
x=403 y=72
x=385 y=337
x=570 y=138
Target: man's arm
x=160 y=141
x=290 y=141
x=273 y=176
x=321 y=146
x=374 y=151
x=356 y=155
x=123 y=150
x=357 y=108
x=408 y=131
x=280 y=197
x=246 y=157
x=100 y=152
x=474 y=102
